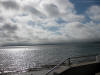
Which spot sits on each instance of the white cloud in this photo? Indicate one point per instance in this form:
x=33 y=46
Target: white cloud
x=94 y=13
x=35 y=21
x=73 y=17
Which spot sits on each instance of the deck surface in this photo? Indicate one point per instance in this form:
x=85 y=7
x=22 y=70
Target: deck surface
x=97 y=74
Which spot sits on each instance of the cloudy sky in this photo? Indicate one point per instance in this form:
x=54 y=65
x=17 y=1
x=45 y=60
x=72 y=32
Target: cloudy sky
x=49 y=21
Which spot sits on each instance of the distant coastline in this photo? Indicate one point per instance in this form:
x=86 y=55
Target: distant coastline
x=30 y=44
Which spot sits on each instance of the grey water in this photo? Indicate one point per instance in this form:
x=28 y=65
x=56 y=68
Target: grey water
x=19 y=58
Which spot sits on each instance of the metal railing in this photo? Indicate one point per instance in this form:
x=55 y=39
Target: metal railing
x=69 y=61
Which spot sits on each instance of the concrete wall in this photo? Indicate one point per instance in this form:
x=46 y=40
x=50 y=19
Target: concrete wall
x=90 y=69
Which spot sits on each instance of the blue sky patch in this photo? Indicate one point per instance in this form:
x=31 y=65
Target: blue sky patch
x=82 y=5
x=60 y=21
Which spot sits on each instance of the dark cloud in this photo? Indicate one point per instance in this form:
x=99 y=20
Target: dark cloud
x=34 y=11
x=8 y=32
x=1 y=19
x=52 y=9
x=8 y=27
x=10 y=4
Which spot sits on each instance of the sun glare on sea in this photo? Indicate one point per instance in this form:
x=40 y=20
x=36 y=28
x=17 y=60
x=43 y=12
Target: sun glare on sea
x=17 y=49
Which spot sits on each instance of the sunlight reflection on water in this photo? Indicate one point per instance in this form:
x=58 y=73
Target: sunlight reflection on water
x=16 y=58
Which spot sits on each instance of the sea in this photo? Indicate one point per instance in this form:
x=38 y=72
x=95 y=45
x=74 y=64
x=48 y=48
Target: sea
x=17 y=58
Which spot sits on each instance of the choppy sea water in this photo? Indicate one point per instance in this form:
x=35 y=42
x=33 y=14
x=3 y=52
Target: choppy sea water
x=20 y=58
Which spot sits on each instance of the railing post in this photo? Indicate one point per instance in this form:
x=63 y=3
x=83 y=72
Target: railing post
x=69 y=62
x=98 y=58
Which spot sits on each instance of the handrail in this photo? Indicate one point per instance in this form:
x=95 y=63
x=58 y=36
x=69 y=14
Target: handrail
x=57 y=66
x=69 y=62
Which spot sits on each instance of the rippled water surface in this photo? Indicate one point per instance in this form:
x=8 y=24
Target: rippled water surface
x=19 y=58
